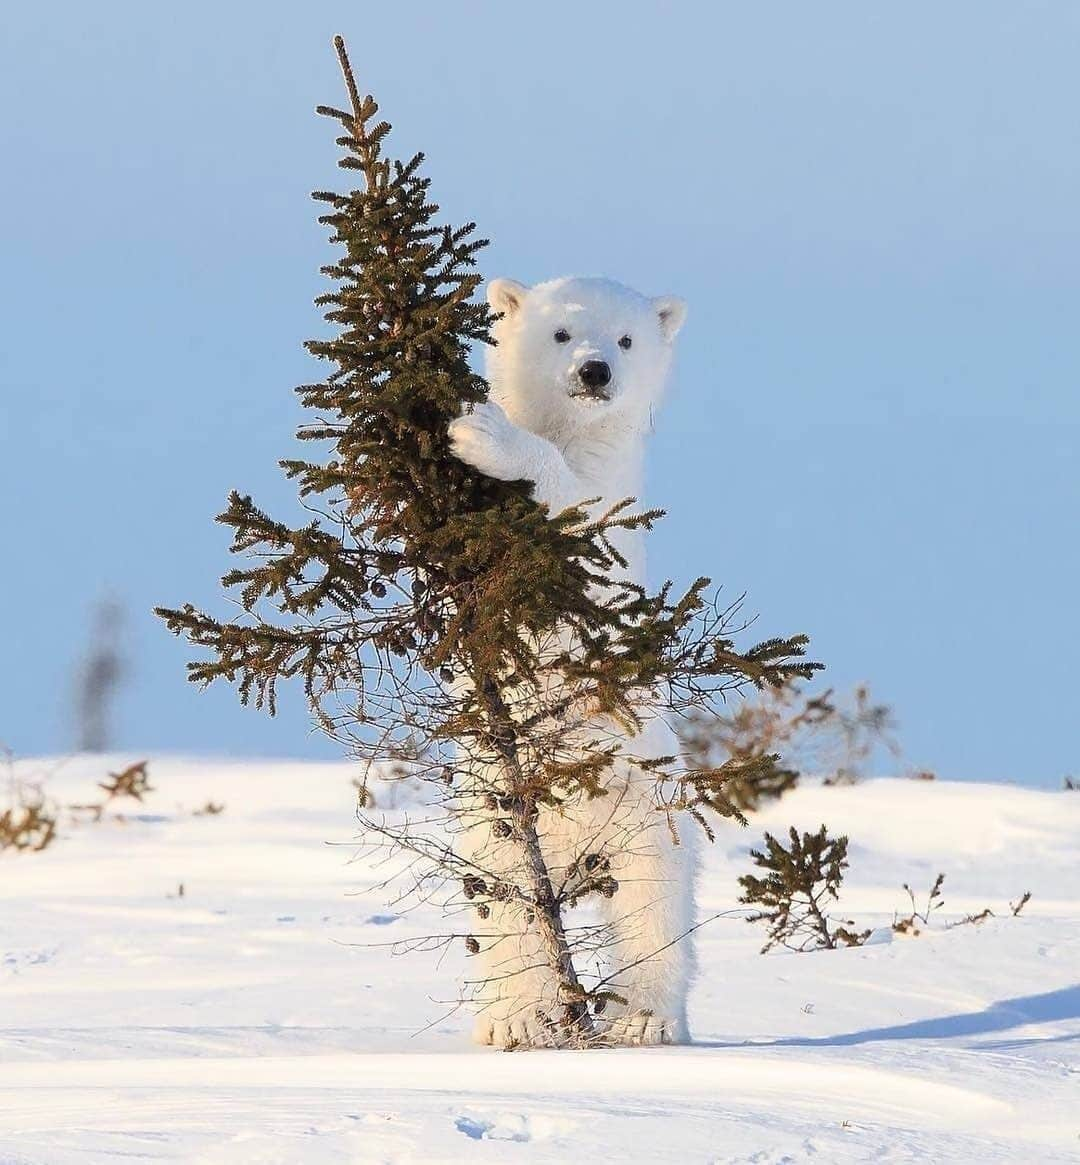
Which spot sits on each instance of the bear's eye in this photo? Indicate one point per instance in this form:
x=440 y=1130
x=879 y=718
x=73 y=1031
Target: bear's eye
x=625 y=342
x=562 y=336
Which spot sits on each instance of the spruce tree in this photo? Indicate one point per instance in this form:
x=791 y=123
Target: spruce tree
x=793 y=895
x=420 y=604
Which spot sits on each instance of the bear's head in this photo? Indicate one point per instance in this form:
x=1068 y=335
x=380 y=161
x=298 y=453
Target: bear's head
x=578 y=354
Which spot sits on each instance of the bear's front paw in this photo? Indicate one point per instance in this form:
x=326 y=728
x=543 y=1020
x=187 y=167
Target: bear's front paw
x=489 y=441
x=529 y=1027
x=639 y=1029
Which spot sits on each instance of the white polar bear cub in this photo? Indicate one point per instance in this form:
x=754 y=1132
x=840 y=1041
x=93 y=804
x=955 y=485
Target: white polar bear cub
x=579 y=366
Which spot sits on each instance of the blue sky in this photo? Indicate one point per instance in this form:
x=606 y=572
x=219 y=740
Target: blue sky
x=872 y=211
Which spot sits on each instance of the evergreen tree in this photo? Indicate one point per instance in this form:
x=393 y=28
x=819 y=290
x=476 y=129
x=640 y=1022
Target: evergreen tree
x=794 y=894
x=420 y=604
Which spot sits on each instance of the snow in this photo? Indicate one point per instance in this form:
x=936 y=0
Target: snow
x=259 y=1017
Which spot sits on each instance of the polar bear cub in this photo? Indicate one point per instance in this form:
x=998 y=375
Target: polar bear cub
x=578 y=369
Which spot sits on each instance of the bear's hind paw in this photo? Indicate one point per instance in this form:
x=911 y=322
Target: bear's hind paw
x=640 y=1029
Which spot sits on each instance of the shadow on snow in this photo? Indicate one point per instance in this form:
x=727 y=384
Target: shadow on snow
x=1001 y=1016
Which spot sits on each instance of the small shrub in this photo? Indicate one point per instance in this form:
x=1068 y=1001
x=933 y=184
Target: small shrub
x=794 y=893
x=130 y=782
x=747 y=743
x=858 y=731
x=1020 y=903
x=133 y=781
x=763 y=746
x=909 y=924
x=27 y=826
x=972 y=919
x=28 y=822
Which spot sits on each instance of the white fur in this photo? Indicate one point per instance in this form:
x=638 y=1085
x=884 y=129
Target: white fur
x=539 y=426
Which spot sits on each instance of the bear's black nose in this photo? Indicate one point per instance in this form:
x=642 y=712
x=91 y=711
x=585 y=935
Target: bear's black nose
x=594 y=374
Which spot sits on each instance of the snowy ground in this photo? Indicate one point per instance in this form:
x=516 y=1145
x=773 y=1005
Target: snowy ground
x=248 y=1020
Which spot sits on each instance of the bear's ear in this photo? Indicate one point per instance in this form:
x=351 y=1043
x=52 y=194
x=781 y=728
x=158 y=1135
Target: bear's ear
x=505 y=295
x=672 y=313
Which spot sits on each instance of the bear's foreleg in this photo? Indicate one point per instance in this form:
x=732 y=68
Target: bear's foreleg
x=513 y=985
x=511 y=980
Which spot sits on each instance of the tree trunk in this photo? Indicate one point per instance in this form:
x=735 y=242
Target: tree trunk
x=577 y=1023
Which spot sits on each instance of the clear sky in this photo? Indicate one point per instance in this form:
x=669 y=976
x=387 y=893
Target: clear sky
x=872 y=209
